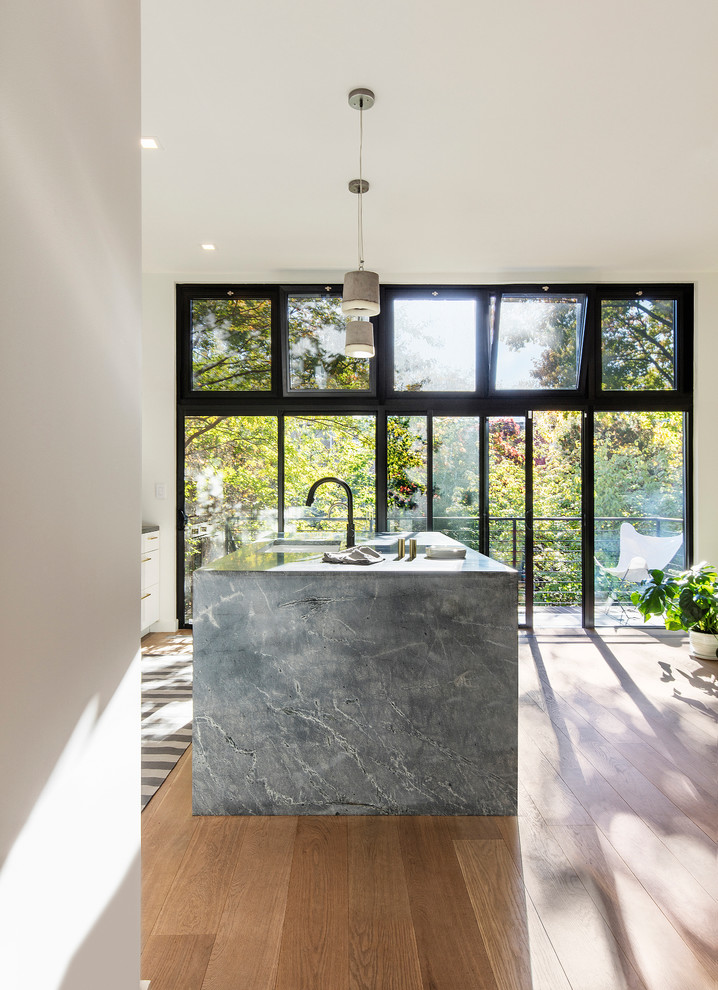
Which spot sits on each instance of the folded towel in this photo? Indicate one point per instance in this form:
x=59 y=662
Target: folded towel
x=354 y=555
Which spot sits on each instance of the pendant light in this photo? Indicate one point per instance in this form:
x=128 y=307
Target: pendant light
x=360 y=298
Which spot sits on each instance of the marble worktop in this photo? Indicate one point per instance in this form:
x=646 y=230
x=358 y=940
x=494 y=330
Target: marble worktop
x=256 y=557
x=323 y=689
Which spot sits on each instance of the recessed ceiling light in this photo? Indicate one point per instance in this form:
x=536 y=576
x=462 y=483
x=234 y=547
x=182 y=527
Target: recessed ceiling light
x=149 y=143
x=208 y=247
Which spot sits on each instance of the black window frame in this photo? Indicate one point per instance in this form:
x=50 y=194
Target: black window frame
x=486 y=401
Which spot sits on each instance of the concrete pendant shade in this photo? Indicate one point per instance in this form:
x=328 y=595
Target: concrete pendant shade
x=359 y=341
x=361 y=294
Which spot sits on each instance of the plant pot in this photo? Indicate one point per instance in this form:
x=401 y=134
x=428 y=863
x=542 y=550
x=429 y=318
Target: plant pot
x=704 y=645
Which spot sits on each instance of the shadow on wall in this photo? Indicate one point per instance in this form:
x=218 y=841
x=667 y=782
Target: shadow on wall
x=88 y=967
x=73 y=866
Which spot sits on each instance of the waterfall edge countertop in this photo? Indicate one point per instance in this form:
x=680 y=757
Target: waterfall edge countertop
x=258 y=557
x=337 y=689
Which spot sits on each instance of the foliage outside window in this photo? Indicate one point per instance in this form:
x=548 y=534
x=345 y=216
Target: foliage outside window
x=638 y=465
x=406 y=444
x=231 y=344
x=316 y=329
x=337 y=446
x=557 y=508
x=456 y=463
x=434 y=345
x=638 y=344
x=230 y=486
x=507 y=494
x=537 y=341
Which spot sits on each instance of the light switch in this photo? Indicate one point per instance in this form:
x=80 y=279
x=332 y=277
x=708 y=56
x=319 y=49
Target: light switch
x=160 y=490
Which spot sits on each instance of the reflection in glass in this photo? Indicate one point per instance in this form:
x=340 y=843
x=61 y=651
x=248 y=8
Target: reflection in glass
x=507 y=499
x=638 y=459
x=230 y=487
x=316 y=327
x=434 y=345
x=406 y=473
x=638 y=344
x=337 y=446
x=231 y=345
x=537 y=341
x=557 y=518
x=456 y=477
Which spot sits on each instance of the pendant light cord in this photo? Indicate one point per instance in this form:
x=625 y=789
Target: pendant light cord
x=360 y=225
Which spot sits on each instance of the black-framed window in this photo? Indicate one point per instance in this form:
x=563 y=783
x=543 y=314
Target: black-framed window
x=459 y=371
x=537 y=341
x=231 y=343
x=638 y=343
x=316 y=362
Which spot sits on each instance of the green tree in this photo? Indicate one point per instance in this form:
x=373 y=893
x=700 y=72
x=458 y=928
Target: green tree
x=316 y=328
x=231 y=344
x=406 y=464
x=637 y=343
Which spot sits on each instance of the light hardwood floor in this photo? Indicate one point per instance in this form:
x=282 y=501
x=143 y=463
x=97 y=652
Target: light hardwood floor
x=606 y=880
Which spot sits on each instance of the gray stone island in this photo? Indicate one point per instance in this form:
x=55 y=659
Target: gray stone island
x=326 y=689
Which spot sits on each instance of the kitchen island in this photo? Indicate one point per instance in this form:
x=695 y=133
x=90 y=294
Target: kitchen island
x=352 y=689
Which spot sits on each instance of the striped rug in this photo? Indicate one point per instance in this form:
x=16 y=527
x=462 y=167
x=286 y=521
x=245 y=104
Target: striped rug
x=166 y=705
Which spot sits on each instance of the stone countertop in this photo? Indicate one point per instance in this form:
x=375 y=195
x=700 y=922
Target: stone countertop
x=254 y=557
x=389 y=690
x=150 y=528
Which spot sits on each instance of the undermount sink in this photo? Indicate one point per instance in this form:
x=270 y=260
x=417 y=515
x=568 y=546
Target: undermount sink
x=298 y=545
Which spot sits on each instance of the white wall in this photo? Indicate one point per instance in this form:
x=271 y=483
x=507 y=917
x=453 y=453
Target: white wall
x=705 y=443
x=70 y=462
x=159 y=416
x=159 y=420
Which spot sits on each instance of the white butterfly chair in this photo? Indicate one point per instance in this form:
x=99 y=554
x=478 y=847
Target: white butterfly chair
x=638 y=555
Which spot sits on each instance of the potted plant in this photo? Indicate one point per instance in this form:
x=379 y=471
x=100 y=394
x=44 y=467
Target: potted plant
x=687 y=601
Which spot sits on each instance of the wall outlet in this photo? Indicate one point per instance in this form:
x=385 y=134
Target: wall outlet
x=160 y=490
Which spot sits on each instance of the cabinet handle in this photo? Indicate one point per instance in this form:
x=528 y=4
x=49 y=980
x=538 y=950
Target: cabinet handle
x=145 y=559
x=145 y=596
x=153 y=537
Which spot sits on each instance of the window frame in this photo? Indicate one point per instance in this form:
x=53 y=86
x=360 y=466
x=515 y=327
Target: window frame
x=588 y=398
x=285 y=291
x=546 y=292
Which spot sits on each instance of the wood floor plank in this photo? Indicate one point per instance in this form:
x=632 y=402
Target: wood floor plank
x=695 y=801
x=654 y=947
x=473 y=826
x=606 y=784
x=625 y=671
x=686 y=904
x=518 y=948
x=382 y=946
x=246 y=949
x=545 y=784
x=620 y=903
x=451 y=951
x=176 y=962
x=584 y=944
x=315 y=937
x=641 y=711
x=176 y=790
x=196 y=899
x=166 y=834
x=622 y=728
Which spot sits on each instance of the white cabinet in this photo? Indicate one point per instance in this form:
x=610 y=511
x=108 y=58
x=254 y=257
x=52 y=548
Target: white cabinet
x=150 y=578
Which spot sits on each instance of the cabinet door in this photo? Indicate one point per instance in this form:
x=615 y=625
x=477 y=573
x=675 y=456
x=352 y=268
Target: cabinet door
x=149 y=607
x=150 y=565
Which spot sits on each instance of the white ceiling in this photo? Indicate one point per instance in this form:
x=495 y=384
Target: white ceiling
x=506 y=136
